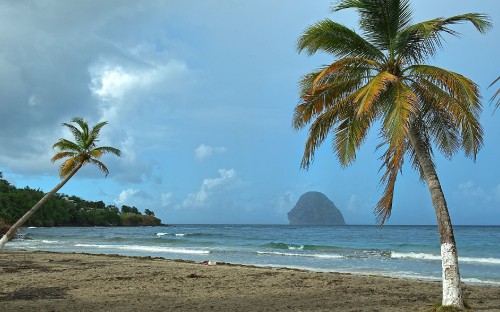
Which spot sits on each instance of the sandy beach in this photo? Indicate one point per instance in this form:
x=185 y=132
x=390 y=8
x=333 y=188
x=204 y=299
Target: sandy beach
x=41 y=281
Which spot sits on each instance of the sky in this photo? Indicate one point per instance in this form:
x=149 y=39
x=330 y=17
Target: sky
x=199 y=96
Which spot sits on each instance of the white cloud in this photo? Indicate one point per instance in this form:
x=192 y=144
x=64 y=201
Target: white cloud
x=471 y=190
x=128 y=150
x=166 y=199
x=204 y=151
x=125 y=196
x=496 y=192
x=210 y=188
x=353 y=204
x=285 y=203
x=113 y=81
x=33 y=101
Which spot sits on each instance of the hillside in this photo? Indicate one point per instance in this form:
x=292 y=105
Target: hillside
x=65 y=210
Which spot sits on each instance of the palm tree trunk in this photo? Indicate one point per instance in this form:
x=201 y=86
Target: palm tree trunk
x=452 y=292
x=10 y=233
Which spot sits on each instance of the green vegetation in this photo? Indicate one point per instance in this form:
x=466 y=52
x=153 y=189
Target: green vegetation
x=64 y=210
x=380 y=77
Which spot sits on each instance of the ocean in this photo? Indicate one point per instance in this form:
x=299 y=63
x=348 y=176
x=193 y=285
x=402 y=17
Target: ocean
x=396 y=251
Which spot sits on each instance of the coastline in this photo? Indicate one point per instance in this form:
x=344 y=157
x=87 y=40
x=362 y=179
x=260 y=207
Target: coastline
x=45 y=281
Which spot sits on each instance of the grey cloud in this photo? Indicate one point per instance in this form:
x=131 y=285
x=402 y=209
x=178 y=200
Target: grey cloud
x=49 y=54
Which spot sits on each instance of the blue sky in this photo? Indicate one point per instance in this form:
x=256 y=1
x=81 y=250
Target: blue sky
x=199 y=97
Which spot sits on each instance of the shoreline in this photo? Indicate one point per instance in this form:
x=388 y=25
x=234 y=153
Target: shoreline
x=50 y=281
x=466 y=281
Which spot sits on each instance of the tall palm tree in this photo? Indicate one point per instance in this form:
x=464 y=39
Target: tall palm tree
x=78 y=153
x=381 y=76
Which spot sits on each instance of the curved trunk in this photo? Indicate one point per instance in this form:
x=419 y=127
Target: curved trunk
x=452 y=292
x=10 y=233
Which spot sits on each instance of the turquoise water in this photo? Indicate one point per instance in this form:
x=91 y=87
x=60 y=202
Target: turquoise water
x=398 y=251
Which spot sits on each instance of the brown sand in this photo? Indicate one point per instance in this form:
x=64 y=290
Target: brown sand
x=41 y=281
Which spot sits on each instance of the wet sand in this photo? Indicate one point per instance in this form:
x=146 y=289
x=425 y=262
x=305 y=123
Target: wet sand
x=41 y=281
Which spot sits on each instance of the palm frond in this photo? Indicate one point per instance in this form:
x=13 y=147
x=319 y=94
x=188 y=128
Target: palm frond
x=497 y=93
x=321 y=127
x=381 y=20
x=99 y=165
x=67 y=145
x=95 y=153
x=84 y=126
x=465 y=108
x=67 y=166
x=94 y=133
x=392 y=161
x=481 y=22
x=318 y=132
x=437 y=118
x=401 y=105
x=421 y=41
x=370 y=93
x=350 y=134
x=336 y=39
x=322 y=89
x=457 y=85
x=108 y=149
x=347 y=68
x=62 y=155
x=77 y=133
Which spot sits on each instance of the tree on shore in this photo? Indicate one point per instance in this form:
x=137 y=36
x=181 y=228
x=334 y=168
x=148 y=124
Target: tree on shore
x=78 y=153
x=381 y=77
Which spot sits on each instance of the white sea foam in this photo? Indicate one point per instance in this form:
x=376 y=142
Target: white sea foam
x=425 y=256
x=414 y=255
x=480 y=281
x=328 y=256
x=165 y=234
x=301 y=247
x=50 y=242
x=288 y=254
x=413 y=275
x=146 y=248
x=480 y=260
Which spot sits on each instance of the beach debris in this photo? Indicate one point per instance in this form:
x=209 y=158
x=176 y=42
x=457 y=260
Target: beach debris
x=209 y=262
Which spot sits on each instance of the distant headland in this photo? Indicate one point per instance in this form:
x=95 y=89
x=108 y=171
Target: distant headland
x=65 y=210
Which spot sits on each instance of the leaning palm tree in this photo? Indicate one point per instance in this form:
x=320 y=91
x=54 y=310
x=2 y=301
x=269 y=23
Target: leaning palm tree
x=381 y=77
x=79 y=153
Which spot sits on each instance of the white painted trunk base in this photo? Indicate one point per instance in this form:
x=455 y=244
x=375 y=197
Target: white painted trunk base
x=452 y=292
x=3 y=241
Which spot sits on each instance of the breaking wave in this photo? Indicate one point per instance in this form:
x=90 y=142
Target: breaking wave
x=287 y=254
x=274 y=245
x=432 y=257
x=146 y=248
